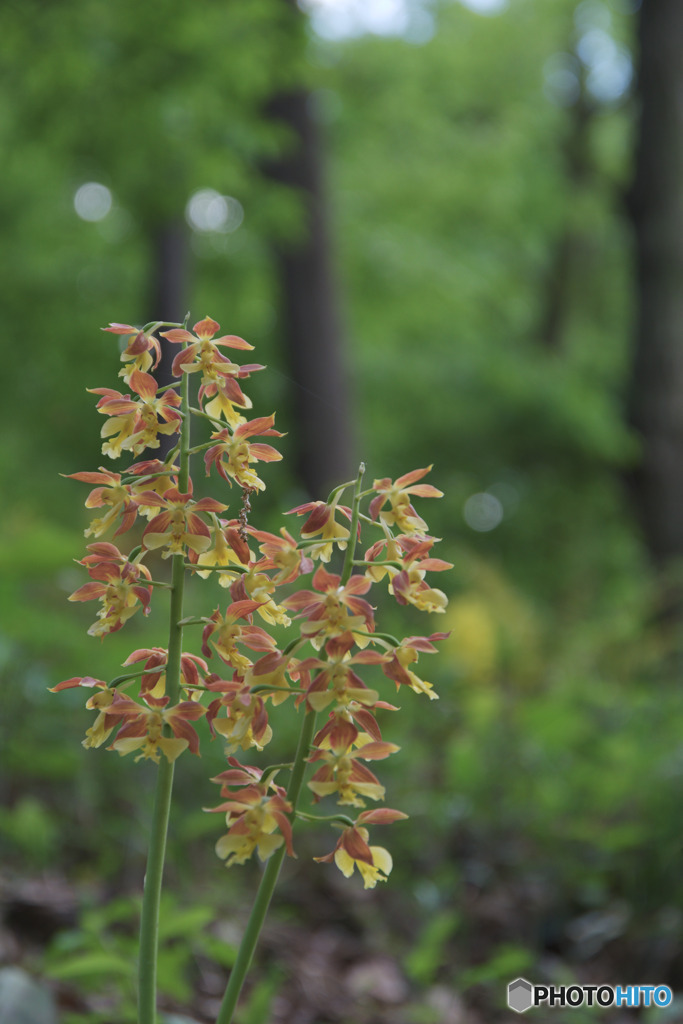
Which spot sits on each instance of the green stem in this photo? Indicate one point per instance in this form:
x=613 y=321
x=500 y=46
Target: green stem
x=268 y=883
x=219 y=424
x=363 y=561
x=342 y=819
x=338 y=491
x=132 y=478
x=347 y=568
x=202 y=447
x=154 y=325
x=151 y=899
x=273 y=768
x=230 y=567
x=384 y=638
x=267 y=687
x=138 y=672
x=373 y=522
x=294 y=645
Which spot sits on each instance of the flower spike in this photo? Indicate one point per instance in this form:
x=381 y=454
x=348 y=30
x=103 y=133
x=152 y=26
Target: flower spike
x=316 y=648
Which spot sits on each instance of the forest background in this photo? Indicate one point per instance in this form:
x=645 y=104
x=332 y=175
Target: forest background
x=449 y=230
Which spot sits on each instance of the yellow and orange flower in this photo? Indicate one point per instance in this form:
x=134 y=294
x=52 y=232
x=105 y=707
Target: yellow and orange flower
x=406 y=654
x=407 y=583
x=401 y=513
x=245 y=723
x=337 y=681
x=137 y=424
x=100 y=701
x=155 y=476
x=103 y=726
x=223 y=399
x=202 y=350
x=142 y=351
x=270 y=670
x=335 y=609
x=282 y=553
x=229 y=548
x=409 y=587
x=220 y=395
x=225 y=631
x=178 y=526
x=257 y=816
x=256 y=586
x=153 y=681
x=387 y=549
x=322 y=521
x=374 y=863
x=113 y=493
x=118 y=585
x=341 y=773
x=233 y=454
x=142 y=727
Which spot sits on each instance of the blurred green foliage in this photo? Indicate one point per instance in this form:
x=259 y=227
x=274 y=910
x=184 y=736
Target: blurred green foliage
x=100 y=957
x=552 y=770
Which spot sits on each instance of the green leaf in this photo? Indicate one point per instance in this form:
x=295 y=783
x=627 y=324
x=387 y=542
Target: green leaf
x=176 y=923
x=508 y=962
x=428 y=955
x=87 y=965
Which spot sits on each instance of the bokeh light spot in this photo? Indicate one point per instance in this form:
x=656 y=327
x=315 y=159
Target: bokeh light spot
x=92 y=201
x=208 y=210
x=608 y=80
x=483 y=512
x=609 y=65
x=561 y=79
x=485 y=6
x=348 y=19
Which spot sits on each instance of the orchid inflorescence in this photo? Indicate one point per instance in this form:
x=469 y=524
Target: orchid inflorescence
x=243 y=672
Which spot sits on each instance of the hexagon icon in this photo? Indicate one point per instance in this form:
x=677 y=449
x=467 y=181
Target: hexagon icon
x=519 y=995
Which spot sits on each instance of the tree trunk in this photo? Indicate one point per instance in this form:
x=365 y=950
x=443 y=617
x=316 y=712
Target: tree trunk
x=169 y=285
x=309 y=305
x=565 y=259
x=656 y=207
x=168 y=301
